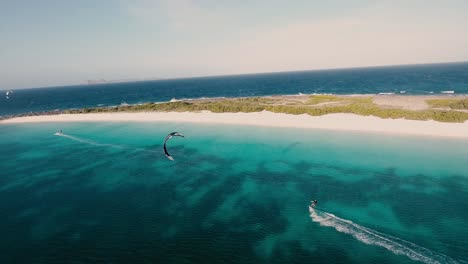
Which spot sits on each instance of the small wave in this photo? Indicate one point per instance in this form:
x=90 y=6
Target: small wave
x=284 y=95
x=402 y=92
x=124 y=104
x=447 y=92
x=323 y=94
x=198 y=98
x=204 y=98
x=386 y=93
x=371 y=237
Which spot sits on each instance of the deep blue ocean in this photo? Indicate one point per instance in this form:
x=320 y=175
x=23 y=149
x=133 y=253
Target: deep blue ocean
x=407 y=80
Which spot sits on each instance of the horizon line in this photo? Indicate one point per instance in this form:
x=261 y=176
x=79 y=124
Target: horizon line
x=234 y=75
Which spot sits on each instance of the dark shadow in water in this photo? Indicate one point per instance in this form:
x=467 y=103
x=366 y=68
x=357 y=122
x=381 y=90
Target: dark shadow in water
x=63 y=218
x=291 y=146
x=78 y=222
x=293 y=252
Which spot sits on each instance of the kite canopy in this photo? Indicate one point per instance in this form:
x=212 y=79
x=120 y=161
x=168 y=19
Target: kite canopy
x=173 y=134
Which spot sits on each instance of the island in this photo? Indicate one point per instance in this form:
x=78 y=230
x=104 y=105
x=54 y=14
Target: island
x=441 y=115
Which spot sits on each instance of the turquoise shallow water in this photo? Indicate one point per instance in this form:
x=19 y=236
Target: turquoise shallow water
x=106 y=193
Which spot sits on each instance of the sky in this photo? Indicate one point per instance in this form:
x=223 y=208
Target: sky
x=63 y=42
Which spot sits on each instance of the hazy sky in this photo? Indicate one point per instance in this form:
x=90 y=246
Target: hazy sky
x=59 y=42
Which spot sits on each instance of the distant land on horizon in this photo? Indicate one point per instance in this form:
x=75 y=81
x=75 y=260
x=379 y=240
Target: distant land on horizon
x=104 y=81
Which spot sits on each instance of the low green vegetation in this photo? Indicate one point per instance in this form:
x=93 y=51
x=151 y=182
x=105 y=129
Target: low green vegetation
x=311 y=106
x=448 y=103
x=374 y=110
x=318 y=99
x=342 y=100
x=439 y=103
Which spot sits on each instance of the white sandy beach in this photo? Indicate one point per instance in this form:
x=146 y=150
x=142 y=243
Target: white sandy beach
x=340 y=122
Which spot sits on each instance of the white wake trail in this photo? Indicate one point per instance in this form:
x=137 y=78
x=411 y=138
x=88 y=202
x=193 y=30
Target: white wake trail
x=87 y=141
x=90 y=142
x=372 y=237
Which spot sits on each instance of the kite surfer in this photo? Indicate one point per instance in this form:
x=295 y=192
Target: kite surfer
x=313 y=203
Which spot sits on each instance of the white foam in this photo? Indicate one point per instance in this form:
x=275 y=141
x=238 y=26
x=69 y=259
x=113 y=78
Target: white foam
x=199 y=98
x=447 y=92
x=372 y=237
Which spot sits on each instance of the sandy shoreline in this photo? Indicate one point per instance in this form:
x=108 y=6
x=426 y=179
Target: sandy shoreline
x=339 y=122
